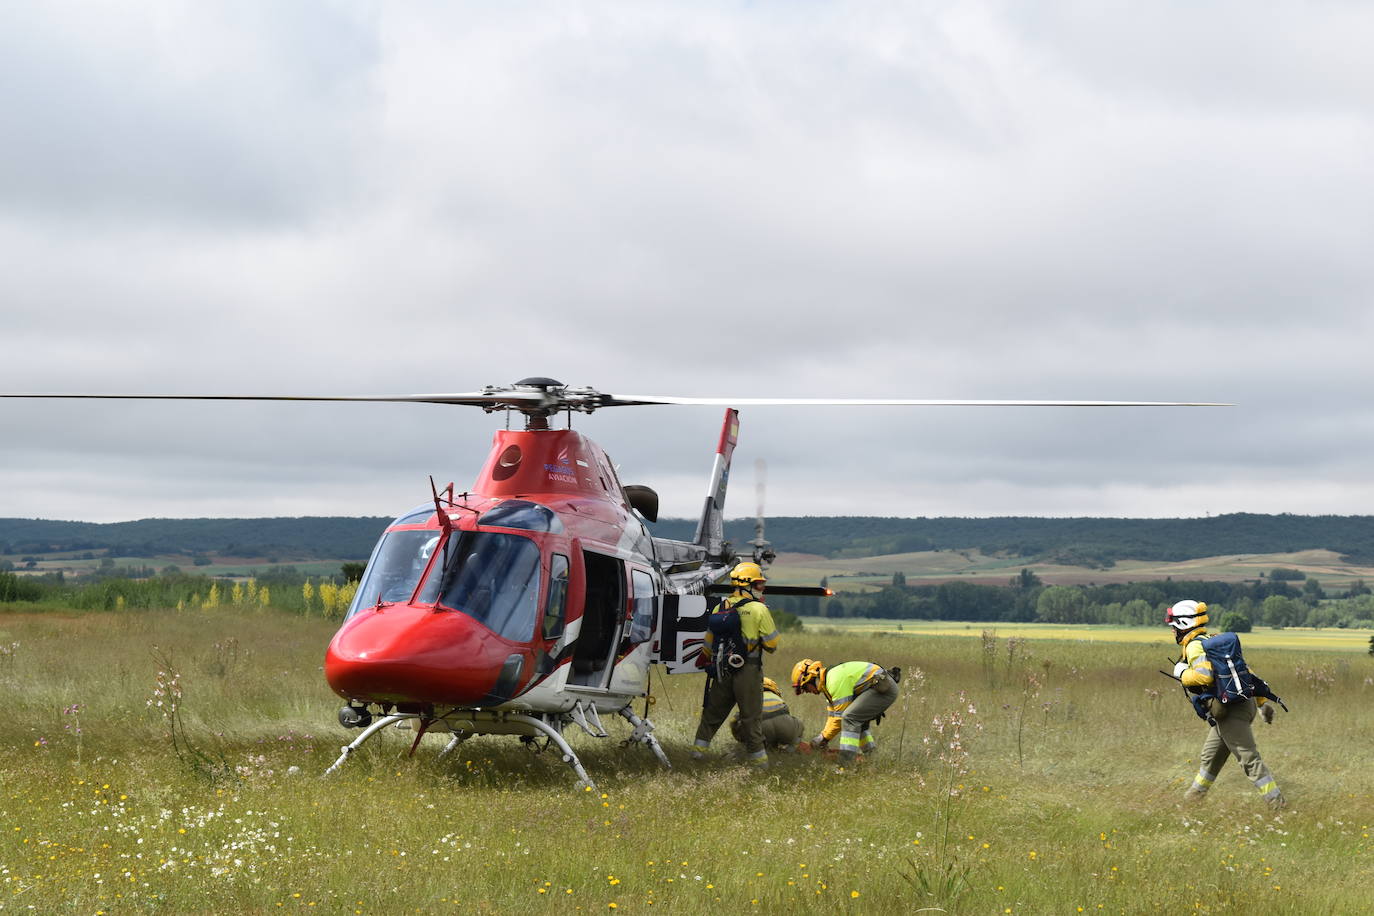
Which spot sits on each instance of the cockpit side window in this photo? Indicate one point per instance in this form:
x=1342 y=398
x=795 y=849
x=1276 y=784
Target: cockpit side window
x=556 y=606
x=396 y=567
x=642 y=621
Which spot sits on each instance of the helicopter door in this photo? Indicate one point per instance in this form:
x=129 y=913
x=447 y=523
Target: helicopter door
x=603 y=615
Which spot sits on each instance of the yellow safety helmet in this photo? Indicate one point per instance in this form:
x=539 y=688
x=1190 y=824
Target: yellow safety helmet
x=746 y=574
x=770 y=684
x=805 y=672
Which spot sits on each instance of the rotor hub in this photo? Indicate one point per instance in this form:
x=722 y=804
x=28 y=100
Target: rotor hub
x=539 y=398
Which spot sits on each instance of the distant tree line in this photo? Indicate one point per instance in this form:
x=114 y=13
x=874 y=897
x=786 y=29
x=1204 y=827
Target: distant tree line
x=1235 y=606
x=1091 y=542
x=283 y=588
x=298 y=538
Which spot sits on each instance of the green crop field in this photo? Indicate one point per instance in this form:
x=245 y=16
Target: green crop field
x=857 y=574
x=1301 y=638
x=1016 y=775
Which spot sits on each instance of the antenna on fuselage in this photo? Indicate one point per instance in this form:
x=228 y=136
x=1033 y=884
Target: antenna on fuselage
x=444 y=521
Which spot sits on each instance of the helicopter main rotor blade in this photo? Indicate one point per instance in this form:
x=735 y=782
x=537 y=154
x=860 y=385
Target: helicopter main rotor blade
x=477 y=399
x=617 y=400
x=541 y=397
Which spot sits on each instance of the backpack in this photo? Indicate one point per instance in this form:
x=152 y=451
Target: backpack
x=728 y=638
x=1232 y=681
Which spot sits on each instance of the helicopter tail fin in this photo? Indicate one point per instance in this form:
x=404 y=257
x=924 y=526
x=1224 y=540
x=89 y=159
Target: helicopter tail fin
x=711 y=529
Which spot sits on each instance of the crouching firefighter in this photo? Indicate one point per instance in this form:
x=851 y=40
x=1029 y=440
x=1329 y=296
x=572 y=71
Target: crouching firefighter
x=857 y=694
x=1225 y=694
x=738 y=631
x=781 y=729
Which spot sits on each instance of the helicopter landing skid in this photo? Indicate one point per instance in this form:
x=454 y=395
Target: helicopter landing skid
x=644 y=733
x=368 y=733
x=557 y=738
x=459 y=735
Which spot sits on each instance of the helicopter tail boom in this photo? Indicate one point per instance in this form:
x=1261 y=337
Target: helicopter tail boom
x=710 y=532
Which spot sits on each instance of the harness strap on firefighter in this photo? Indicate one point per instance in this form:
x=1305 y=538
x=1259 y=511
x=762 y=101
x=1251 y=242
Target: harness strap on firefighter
x=757 y=651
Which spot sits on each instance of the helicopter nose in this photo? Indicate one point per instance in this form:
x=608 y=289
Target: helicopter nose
x=407 y=655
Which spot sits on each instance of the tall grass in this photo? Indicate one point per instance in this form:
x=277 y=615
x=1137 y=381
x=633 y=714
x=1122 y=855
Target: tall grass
x=1061 y=791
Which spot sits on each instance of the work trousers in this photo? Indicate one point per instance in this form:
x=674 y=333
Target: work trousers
x=855 y=725
x=783 y=730
x=1232 y=735
x=742 y=687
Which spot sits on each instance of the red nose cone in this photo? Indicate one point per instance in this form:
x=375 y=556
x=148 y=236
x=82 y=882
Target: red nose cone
x=407 y=655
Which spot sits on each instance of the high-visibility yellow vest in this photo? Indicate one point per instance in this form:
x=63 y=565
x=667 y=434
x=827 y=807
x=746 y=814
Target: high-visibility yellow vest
x=755 y=624
x=842 y=684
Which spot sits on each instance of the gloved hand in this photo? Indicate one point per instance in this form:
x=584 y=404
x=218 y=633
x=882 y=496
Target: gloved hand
x=1180 y=668
x=703 y=661
x=1267 y=713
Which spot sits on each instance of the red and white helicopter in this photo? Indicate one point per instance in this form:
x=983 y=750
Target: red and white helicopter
x=537 y=598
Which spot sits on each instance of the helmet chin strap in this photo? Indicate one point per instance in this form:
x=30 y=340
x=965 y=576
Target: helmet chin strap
x=1182 y=636
x=747 y=588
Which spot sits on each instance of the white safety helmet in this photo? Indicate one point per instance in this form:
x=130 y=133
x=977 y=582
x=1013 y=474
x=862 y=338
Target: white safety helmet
x=1186 y=615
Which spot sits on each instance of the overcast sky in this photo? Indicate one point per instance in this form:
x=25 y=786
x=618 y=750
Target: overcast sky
x=1090 y=200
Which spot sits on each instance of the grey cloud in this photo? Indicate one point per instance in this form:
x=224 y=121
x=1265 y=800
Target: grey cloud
x=950 y=201
x=225 y=114
x=1287 y=57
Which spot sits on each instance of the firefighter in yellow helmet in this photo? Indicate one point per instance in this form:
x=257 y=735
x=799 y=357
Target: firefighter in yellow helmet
x=781 y=729
x=1230 y=731
x=856 y=694
x=738 y=631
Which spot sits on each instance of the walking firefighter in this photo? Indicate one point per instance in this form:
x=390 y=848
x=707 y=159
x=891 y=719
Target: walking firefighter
x=856 y=693
x=1225 y=694
x=738 y=631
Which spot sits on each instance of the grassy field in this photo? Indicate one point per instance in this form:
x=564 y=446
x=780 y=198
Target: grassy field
x=1017 y=775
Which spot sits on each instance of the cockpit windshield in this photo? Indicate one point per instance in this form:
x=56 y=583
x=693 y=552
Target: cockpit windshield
x=396 y=567
x=491 y=577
